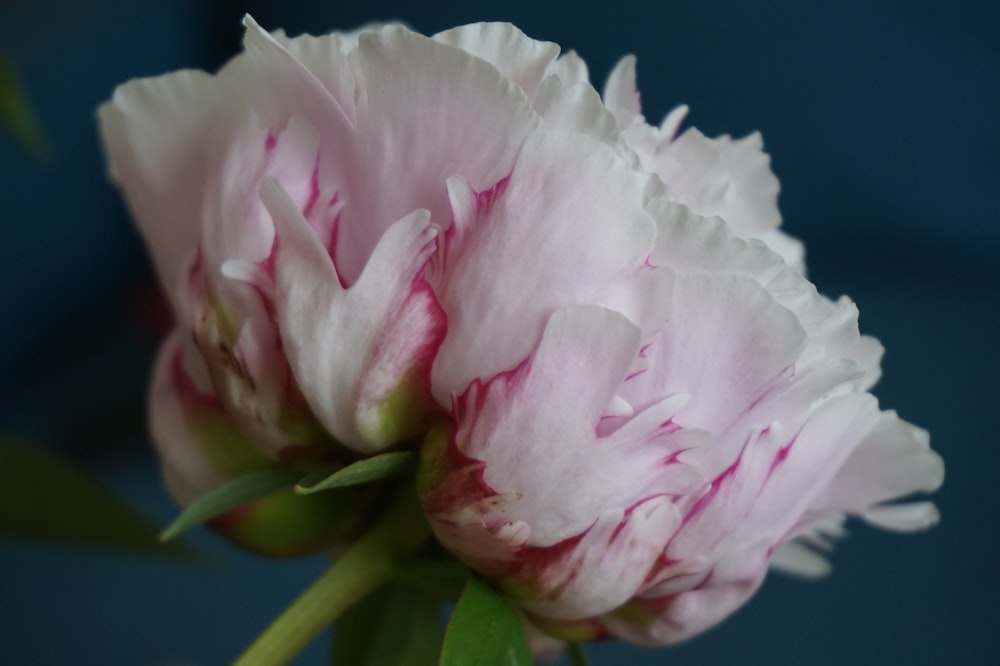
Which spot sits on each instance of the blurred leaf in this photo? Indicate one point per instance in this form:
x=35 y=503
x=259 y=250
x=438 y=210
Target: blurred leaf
x=376 y=468
x=577 y=657
x=442 y=579
x=44 y=497
x=394 y=625
x=16 y=114
x=236 y=493
x=484 y=631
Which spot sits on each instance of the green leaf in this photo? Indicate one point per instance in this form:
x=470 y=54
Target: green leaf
x=376 y=468
x=484 y=631
x=577 y=657
x=236 y=493
x=44 y=497
x=443 y=579
x=395 y=625
x=16 y=114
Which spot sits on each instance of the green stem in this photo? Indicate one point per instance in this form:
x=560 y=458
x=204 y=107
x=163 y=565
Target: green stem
x=363 y=567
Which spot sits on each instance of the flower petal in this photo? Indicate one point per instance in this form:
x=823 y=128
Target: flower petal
x=155 y=132
x=426 y=112
x=517 y=57
x=367 y=382
x=545 y=231
x=726 y=343
x=606 y=567
x=199 y=447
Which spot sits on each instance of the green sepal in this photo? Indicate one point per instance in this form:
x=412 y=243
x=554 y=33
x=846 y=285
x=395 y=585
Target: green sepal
x=44 y=497
x=237 y=492
x=395 y=625
x=484 y=631
x=376 y=468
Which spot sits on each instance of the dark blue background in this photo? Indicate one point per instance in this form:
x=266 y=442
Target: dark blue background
x=882 y=121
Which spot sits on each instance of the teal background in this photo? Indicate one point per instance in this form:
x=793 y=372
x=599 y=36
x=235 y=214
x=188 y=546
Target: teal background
x=881 y=119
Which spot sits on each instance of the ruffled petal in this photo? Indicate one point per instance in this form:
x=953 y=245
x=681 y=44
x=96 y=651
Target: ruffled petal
x=516 y=56
x=721 y=177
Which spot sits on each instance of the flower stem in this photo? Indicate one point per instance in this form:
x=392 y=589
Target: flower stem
x=363 y=567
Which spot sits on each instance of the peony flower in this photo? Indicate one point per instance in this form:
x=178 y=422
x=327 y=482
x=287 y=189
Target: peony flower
x=629 y=400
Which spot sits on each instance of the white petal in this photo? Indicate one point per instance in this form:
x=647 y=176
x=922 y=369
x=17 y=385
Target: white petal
x=155 y=132
x=518 y=57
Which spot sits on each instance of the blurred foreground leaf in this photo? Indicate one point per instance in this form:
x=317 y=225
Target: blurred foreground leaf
x=395 y=625
x=236 y=493
x=44 y=497
x=16 y=115
x=484 y=631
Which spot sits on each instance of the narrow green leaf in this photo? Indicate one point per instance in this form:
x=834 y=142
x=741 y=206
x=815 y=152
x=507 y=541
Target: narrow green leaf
x=237 y=492
x=443 y=579
x=383 y=466
x=16 y=114
x=484 y=631
x=44 y=497
x=395 y=625
x=577 y=657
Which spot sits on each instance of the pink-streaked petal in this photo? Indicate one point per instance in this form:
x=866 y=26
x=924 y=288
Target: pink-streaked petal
x=674 y=618
x=155 y=132
x=515 y=55
x=520 y=420
x=775 y=479
x=537 y=233
x=387 y=326
x=606 y=566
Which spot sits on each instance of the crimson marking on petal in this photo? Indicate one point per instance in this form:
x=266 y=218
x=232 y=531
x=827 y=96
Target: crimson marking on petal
x=271 y=142
x=779 y=457
x=713 y=487
x=486 y=199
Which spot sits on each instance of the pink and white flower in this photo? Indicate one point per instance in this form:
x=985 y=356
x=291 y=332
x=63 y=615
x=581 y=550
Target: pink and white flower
x=628 y=399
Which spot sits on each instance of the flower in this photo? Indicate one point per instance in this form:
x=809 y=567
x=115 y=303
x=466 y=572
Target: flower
x=628 y=399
